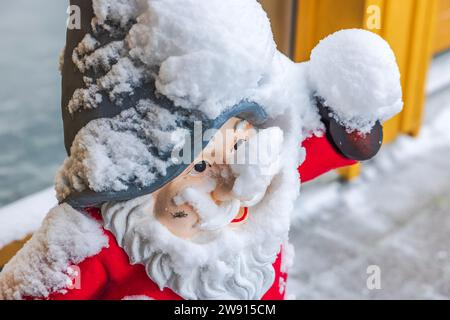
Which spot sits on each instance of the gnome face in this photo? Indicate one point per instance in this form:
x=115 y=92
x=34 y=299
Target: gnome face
x=207 y=229
x=202 y=198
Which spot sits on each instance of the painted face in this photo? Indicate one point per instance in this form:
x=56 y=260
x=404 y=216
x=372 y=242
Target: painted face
x=202 y=197
x=193 y=235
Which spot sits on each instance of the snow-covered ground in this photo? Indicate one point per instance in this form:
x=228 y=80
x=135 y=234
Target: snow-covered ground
x=25 y=216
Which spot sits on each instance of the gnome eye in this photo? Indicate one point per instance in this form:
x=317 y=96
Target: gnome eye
x=200 y=167
x=239 y=143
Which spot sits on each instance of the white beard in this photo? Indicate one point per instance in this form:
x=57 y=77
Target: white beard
x=207 y=267
x=235 y=262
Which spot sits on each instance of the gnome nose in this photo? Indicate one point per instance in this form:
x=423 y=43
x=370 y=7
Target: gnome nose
x=219 y=196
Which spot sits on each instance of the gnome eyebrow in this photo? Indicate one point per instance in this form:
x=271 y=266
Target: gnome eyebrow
x=179 y=215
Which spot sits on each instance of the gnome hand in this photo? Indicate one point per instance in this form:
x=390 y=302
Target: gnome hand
x=356 y=84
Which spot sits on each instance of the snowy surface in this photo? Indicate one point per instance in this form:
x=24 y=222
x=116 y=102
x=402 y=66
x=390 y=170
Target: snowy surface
x=206 y=60
x=24 y=217
x=356 y=73
x=396 y=216
x=439 y=75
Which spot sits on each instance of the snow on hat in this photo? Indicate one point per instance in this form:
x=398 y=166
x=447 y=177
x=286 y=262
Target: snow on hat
x=356 y=75
x=137 y=77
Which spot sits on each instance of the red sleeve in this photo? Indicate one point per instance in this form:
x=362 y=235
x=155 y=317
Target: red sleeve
x=89 y=281
x=321 y=157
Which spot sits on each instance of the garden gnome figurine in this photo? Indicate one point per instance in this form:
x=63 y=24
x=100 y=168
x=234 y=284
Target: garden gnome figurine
x=186 y=130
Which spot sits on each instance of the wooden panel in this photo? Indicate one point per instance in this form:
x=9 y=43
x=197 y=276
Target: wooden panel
x=421 y=52
x=281 y=15
x=442 y=39
x=10 y=250
x=319 y=18
x=336 y=15
x=305 y=32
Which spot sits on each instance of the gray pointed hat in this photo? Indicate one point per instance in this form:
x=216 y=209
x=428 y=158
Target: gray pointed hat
x=120 y=133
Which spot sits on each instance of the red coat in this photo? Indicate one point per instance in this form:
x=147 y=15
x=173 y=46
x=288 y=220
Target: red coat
x=109 y=275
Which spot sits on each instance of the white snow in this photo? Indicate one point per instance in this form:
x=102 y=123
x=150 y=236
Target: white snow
x=278 y=98
x=23 y=218
x=356 y=73
x=88 y=98
x=115 y=11
x=41 y=268
x=109 y=154
x=123 y=77
x=86 y=46
x=205 y=50
x=101 y=57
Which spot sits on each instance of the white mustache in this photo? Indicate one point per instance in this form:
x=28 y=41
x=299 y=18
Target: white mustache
x=213 y=217
x=253 y=179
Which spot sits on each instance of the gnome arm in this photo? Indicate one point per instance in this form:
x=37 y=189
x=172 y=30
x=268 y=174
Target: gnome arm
x=321 y=157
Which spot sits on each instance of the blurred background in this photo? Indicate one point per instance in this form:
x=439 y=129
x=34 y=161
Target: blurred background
x=391 y=213
x=32 y=34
